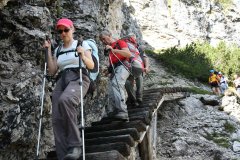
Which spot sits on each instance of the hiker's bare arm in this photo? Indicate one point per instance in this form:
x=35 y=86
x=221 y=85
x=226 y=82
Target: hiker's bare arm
x=52 y=61
x=86 y=57
x=52 y=64
x=146 y=63
x=124 y=51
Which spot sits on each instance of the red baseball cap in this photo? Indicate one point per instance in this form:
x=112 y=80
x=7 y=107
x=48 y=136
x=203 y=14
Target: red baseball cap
x=64 y=22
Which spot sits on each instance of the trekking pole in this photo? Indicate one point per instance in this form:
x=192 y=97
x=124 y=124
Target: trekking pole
x=116 y=78
x=42 y=101
x=122 y=63
x=82 y=111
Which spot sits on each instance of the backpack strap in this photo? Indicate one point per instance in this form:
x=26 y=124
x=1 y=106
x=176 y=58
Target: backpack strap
x=117 y=46
x=59 y=52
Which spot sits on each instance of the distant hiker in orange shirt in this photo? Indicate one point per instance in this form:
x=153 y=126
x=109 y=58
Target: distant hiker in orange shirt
x=214 y=81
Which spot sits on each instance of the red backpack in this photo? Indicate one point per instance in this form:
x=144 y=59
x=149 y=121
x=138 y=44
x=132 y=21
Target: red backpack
x=135 y=63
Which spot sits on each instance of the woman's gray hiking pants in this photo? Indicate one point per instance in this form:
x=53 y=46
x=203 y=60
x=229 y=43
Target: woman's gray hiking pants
x=65 y=111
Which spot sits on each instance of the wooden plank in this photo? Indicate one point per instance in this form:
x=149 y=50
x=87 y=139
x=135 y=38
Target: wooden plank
x=133 y=110
x=152 y=90
x=152 y=104
x=142 y=113
x=131 y=131
x=139 y=125
x=146 y=98
x=107 y=155
x=145 y=148
x=144 y=116
x=153 y=132
x=113 y=155
x=121 y=147
x=146 y=93
x=150 y=101
x=112 y=139
x=150 y=145
x=151 y=95
x=174 y=90
x=145 y=120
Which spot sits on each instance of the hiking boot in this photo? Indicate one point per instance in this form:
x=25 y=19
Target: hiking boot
x=73 y=153
x=129 y=102
x=132 y=103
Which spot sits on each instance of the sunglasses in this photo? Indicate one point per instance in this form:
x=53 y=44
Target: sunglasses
x=65 y=30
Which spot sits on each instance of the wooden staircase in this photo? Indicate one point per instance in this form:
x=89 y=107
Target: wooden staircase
x=107 y=140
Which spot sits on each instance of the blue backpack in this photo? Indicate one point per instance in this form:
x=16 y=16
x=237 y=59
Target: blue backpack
x=93 y=45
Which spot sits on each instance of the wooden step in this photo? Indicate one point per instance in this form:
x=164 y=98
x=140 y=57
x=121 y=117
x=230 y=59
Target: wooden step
x=150 y=105
x=139 y=125
x=144 y=116
x=105 y=155
x=131 y=131
x=138 y=109
x=112 y=139
x=141 y=113
x=150 y=101
x=121 y=147
x=152 y=97
x=145 y=119
x=109 y=155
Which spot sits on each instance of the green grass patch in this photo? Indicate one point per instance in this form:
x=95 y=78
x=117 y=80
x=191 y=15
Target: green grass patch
x=222 y=141
x=229 y=127
x=219 y=139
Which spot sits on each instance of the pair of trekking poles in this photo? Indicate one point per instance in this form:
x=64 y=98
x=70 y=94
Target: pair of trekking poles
x=42 y=102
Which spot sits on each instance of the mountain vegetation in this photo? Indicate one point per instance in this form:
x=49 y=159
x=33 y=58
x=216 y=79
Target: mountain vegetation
x=196 y=59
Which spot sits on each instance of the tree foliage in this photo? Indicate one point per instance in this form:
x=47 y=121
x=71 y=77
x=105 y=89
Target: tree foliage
x=224 y=3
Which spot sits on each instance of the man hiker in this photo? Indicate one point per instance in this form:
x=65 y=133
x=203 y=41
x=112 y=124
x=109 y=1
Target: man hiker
x=135 y=97
x=118 y=53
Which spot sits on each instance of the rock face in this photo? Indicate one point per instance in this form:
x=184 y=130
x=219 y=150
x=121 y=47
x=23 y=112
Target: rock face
x=25 y=24
x=178 y=22
x=189 y=129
